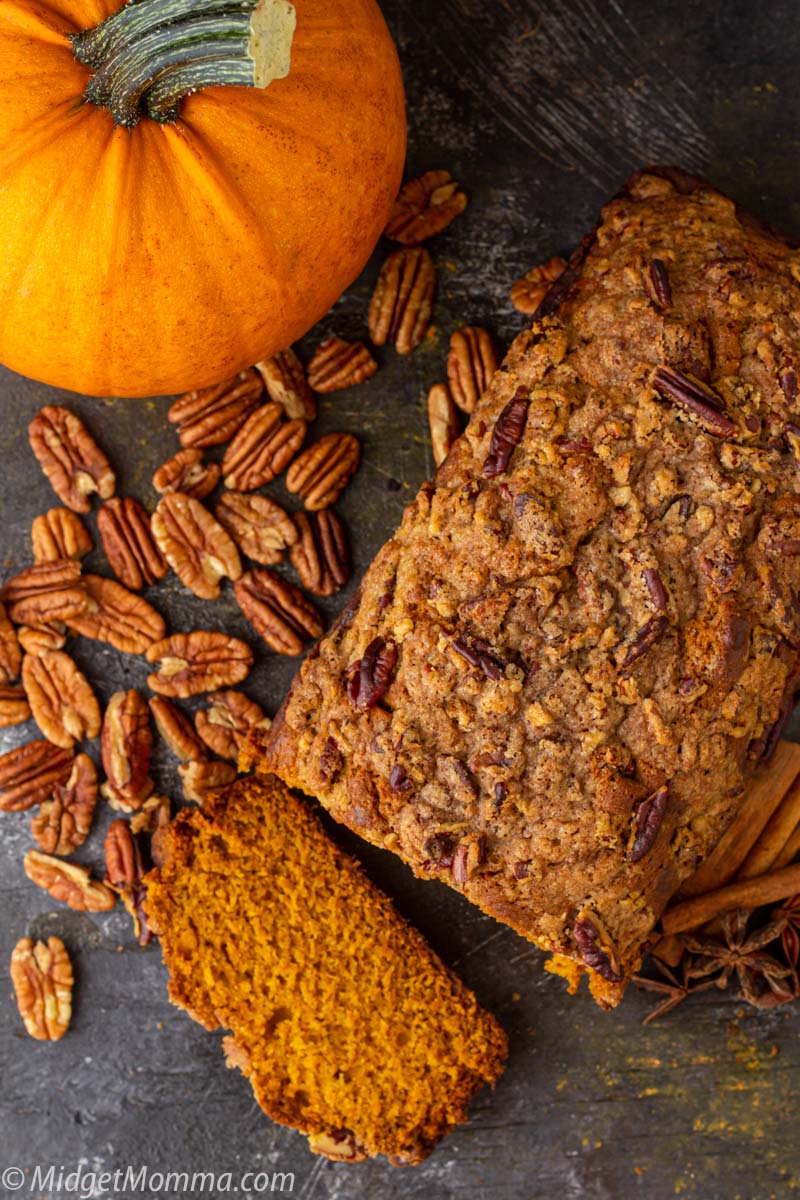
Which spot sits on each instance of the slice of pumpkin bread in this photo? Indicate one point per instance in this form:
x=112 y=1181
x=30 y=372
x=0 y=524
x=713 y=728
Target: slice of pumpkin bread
x=346 y=1023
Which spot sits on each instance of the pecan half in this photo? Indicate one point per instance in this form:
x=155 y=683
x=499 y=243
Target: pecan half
x=261 y=529
x=263 y=447
x=125 y=872
x=371 y=675
x=14 y=707
x=402 y=303
x=645 y=639
x=507 y=434
x=695 y=398
x=152 y=816
x=43 y=980
x=124 y=528
x=195 y=545
x=52 y=591
x=193 y=663
x=656 y=283
x=68 y=882
x=61 y=698
x=64 y=821
x=211 y=416
x=124 y=865
x=320 y=554
x=339 y=1145
x=471 y=363
x=278 y=611
x=37 y=639
x=322 y=472
x=647 y=818
x=224 y=726
x=59 y=533
x=29 y=773
x=117 y=616
x=286 y=384
x=424 y=207
x=480 y=654
x=338 y=364
x=443 y=421
x=176 y=729
x=198 y=779
x=188 y=472
x=10 y=653
x=595 y=947
x=70 y=458
x=529 y=292
x=127 y=745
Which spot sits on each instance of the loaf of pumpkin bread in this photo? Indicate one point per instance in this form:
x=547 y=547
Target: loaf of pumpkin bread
x=346 y=1023
x=559 y=673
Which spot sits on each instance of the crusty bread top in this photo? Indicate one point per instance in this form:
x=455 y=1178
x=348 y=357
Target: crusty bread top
x=587 y=625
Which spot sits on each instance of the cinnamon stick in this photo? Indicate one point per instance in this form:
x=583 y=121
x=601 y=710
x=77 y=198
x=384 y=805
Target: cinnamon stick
x=745 y=893
x=764 y=794
x=775 y=835
x=790 y=851
x=669 y=949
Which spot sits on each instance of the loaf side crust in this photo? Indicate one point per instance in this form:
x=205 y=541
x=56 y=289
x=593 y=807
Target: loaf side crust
x=597 y=643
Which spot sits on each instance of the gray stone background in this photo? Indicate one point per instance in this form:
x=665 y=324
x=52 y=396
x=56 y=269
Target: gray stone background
x=540 y=110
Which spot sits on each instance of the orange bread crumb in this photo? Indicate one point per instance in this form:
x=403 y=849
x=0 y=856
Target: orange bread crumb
x=346 y=1023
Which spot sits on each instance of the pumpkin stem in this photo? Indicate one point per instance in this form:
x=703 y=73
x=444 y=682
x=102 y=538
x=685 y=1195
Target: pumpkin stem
x=151 y=54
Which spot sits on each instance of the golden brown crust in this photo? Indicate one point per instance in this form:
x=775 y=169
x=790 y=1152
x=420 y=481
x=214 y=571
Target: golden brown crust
x=347 y=1025
x=561 y=670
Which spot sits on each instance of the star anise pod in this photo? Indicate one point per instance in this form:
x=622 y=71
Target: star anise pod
x=673 y=987
x=789 y=917
x=764 y=980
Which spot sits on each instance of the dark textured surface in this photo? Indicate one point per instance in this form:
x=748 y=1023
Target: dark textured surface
x=540 y=111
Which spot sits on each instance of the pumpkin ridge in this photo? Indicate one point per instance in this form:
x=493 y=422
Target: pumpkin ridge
x=42 y=133
x=35 y=25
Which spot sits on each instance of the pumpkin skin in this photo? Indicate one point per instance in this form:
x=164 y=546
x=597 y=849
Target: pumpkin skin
x=167 y=257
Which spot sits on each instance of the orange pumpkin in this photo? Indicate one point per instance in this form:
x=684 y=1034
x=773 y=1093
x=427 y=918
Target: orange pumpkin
x=162 y=224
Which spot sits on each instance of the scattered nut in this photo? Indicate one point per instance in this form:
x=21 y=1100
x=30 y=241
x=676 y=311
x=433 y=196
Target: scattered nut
x=70 y=458
x=322 y=472
x=14 y=707
x=152 y=816
x=425 y=206
x=176 y=730
x=29 y=774
x=47 y=592
x=117 y=616
x=402 y=303
x=443 y=421
x=43 y=980
x=529 y=292
x=286 y=384
x=61 y=698
x=124 y=528
x=63 y=822
x=320 y=554
x=470 y=365
x=193 y=663
x=200 y=778
x=278 y=611
x=196 y=546
x=68 y=882
x=211 y=416
x=127 y=745
x=59 y=533
x=226 y=723
x=10 y=653
x=37 y=639
x=188 y=472
x=338 y=364
x=263 y=447
x=260 y=528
